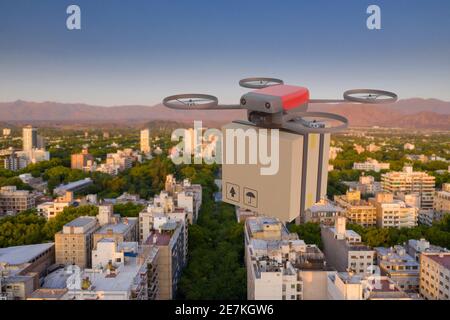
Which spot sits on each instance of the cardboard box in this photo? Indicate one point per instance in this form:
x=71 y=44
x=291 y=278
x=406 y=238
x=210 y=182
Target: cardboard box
x=301 y=179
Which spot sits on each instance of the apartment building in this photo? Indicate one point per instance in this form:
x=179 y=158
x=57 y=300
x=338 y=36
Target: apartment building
x=435 y=276
x=21 y=267
x=357 y=211
x=416 y=247
x=280 y=266
x=168 y=237
x=13 y=201
x=161 y=211
x=393 y=213
x=365 y=185
x=82 y=161
x=33 y=156
x=51 y=209
x=344 y=249
x=121 y=271
x=323 y=212
x=114 y=227
x=441 y=204
x=73 y=245
x=185 y=195
x=145 y=141
x=368 y=185
x=408 y=181
x=14 y=162
x=371 y=165
x=399 y=266
x=351 y=286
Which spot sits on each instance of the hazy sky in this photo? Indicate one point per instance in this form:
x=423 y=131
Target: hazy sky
x=137 y=52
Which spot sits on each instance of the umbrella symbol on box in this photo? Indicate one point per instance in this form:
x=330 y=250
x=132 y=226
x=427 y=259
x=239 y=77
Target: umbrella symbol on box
x=251 y=196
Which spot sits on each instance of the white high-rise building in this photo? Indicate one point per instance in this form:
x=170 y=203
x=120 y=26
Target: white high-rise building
x=30 y=138
x=145 y=141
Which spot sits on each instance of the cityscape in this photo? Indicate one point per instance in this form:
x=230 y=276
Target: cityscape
x=106 y=215
x=224 y=159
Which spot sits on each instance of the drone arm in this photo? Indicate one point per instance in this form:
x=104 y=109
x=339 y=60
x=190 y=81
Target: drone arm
x=228 y=107
x=196 y=101
x=327 y=101
x=205 y=107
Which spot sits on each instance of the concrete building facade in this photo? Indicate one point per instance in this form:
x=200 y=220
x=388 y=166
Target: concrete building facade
x=13 y=201
x=394 y=213
x=280 y=266
x=73 y=245
x=435 y=276
x=345 y=251
x=357 y=210
x=408 y=181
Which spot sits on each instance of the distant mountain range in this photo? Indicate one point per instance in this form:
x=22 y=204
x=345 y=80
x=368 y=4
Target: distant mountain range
x=409 y=113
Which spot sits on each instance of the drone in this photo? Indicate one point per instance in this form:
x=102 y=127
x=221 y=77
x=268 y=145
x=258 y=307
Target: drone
x=273 y=104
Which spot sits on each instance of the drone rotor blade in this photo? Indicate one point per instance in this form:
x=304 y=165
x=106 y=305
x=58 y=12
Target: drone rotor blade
x=259 y=83
x=370 y=96
x=296 y=122
x=194 y=101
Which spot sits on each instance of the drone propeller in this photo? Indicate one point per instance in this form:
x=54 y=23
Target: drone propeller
x=301 y=122
x=259 y=83
x=194 y=101
x=368 y=96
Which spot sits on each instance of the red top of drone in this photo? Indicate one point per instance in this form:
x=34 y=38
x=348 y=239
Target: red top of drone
x=291 y=96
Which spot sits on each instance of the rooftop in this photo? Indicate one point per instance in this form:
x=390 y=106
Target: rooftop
x=351 y=234
x=75 y=184
x=259 y=224
x=383 y=285
x=441 y=258
x=23 y=254
x=162 y=239
x=80 y=222
x=350 y=278
x=120 y=227
x=325 y=207
x=123 y=281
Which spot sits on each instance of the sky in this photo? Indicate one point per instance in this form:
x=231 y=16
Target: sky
x=138 y=52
